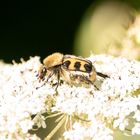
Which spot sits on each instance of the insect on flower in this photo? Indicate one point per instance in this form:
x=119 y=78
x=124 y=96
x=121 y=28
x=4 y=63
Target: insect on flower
x=72 y=69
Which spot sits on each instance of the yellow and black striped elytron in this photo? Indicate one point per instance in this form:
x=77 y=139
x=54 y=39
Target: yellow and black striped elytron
x=72 y=69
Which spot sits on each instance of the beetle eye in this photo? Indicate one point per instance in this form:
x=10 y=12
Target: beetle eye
x=88 y=67
x=44 y=70
x=66 y=64
x=42 y=73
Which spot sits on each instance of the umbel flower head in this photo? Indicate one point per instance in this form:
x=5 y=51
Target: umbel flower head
x=86 y=113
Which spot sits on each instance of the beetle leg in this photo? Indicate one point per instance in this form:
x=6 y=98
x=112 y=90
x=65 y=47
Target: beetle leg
x=102 y=75
x=58 y=79
x=49 y=76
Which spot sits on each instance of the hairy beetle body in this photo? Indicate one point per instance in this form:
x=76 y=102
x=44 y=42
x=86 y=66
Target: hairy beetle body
x=72 y=69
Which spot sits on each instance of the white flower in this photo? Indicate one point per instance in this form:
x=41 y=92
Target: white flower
x=93 y=113
x=136 y=129
x=95 y=131
x=19 y=99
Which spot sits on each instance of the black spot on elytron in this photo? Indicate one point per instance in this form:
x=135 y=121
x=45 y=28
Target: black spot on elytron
x=66 y=64
x=88 y=67
x=77 y=65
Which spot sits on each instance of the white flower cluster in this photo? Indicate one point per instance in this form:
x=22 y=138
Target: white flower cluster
x=114 y=104
x=19 y=99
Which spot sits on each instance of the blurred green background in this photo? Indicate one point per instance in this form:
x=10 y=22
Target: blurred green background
x=30 y=28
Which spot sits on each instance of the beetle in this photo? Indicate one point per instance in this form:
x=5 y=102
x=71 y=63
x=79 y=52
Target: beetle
x=72 y=69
